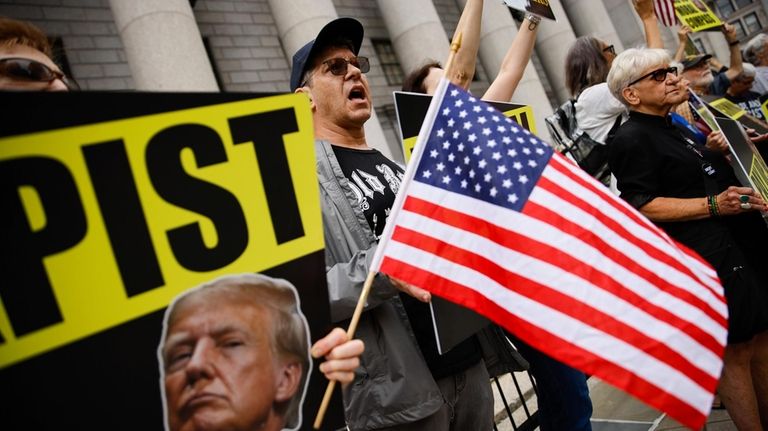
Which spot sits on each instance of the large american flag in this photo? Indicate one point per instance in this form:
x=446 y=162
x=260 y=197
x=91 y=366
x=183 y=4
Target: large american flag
x=492 y=219
x=665 y=12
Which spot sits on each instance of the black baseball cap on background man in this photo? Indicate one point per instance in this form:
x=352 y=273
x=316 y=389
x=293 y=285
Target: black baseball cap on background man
x=694 y=60
x=347 y=28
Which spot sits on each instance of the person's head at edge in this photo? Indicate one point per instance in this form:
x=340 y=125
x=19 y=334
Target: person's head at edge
x=424 y=80
x=756 y=50
x=26 y=59
x=645 y=81
x=743 y=81
x=587 y=63
x=329 y=71
x=234 y=355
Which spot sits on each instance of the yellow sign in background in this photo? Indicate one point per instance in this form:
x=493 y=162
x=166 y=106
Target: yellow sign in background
x=696 y=15
x=728 y=108
x=85 y=278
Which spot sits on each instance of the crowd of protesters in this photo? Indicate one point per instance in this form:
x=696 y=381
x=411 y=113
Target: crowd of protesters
x=666 y=162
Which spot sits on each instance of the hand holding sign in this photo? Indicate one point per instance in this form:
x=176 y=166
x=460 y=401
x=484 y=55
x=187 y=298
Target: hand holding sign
x=735 y=200
x=716 y=142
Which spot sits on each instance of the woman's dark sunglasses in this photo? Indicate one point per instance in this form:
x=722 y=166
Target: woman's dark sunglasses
x=338 y=65
x=658 y=75
x=610 y=49
x=24 y=69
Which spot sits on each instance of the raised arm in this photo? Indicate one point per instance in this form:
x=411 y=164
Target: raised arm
x=463 y=68
x=513 y=66
x=682 y=36
x=734 y=67
x=644 y=9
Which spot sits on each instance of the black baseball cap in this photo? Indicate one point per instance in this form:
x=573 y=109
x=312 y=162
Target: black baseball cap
x=694 y=60
x=347 y=28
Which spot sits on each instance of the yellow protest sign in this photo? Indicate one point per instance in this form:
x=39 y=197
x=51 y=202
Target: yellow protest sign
x=696 y=15
x=728 y=108
x=107 y=222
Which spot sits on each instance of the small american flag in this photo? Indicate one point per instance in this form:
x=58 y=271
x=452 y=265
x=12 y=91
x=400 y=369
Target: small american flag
x=492 y=219
x=665 y=11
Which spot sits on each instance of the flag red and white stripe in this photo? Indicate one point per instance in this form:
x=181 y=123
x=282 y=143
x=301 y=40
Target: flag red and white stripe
x=665 y=11
x=571 y=269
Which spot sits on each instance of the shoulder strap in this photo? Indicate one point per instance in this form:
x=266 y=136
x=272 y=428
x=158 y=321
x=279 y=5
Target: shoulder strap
x=614 y=128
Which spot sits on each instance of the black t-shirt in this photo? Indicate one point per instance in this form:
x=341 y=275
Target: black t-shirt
x=750 y=102
x=375 y=180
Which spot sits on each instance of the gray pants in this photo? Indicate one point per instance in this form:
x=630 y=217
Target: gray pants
x=467 y=404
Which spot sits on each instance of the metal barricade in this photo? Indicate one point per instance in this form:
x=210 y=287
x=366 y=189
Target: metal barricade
x=520 y=409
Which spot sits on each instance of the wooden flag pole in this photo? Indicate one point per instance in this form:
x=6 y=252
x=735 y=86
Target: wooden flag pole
x=350 y=333
x=455 y=45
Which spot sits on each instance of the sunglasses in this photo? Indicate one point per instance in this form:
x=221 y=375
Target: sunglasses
x=610 y=49
x=338 y=65
x=658 y=75
x=24 y=69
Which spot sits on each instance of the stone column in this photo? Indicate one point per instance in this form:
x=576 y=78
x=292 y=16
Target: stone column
x=497 y=32
x=415 y=30
x=163 y=45
x=590 y=18
x=298 y=22
x=552 y=44
x=622 y=15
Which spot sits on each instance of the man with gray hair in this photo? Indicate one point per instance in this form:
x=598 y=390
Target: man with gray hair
x=756 y=52
x=234 y=355
x=696 y=68
x=740 y=92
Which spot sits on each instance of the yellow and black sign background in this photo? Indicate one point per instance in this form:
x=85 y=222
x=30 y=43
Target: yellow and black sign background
x=715 y=106
x=754 y=172
x=93 y=365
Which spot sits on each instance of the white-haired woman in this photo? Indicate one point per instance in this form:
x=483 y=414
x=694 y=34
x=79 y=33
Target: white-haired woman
x=756 y=52
x=691 y=192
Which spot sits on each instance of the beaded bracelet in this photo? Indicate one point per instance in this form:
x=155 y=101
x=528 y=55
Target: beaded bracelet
x=714 y=210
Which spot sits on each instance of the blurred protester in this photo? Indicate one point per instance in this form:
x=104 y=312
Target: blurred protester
x=740 y=92
x=691 y=192
x=756 y=52
x=586 y=68
x=26 y=59
x=698 y=71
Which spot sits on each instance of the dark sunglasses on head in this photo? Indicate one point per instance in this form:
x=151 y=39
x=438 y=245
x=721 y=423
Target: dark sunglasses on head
x=658 y=75
x=339 y=65
x=610 y=49
x=24 y=69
